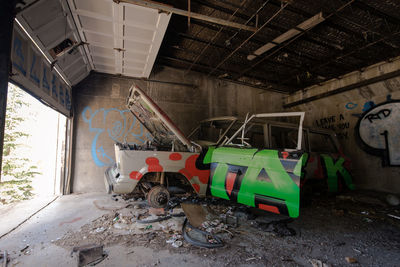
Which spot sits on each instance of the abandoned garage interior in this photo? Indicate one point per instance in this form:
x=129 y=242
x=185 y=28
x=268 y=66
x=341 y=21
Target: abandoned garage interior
x=204 y=132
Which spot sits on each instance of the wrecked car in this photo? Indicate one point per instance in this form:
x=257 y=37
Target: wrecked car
x=243 y=162
x=327 y=168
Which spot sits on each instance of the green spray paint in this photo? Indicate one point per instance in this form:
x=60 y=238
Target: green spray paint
x=299 y=170
x=333 y=169
x=281 y=186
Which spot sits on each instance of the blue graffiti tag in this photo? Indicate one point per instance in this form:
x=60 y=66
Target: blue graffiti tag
x=61 y=92
x=19 y=61
x=351 y=105
x=67 y=99
x=368 y=105
x=120 y=129
x=54 y=92
x=33 y=71
x=45 y=83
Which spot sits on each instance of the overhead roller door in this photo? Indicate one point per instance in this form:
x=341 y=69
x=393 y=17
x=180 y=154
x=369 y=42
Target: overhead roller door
x=32 y=72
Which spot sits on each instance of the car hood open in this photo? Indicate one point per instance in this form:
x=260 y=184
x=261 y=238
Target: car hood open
x=160 y=126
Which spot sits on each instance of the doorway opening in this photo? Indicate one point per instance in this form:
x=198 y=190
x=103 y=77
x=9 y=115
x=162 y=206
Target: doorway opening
x=34 y=149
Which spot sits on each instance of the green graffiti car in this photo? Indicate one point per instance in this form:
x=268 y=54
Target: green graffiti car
x=257 y=162
x=326 y=168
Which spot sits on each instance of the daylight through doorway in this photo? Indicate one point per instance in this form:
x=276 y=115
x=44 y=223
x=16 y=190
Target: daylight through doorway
x=34 y=149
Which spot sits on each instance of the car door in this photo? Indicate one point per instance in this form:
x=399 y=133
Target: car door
x=255 y=176
x=327 y=168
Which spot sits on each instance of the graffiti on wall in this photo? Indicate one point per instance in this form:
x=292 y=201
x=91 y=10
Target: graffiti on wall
x=378 y=131
x=110 y=126
x=336 y=123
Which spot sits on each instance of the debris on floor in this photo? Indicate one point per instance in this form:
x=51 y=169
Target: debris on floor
x=190 y=225
x=351 y=260
x=89 y=254
x=4 y=258
x=392 y=200
x=318 y=263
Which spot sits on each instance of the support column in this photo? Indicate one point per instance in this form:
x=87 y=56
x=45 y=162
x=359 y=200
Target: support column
x=7 y=15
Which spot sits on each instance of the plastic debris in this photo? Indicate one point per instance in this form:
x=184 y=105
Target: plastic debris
x=100 y=229
x=318 y=263
x=118 y=226
x=394 y=216
x=392 y=200
x=25 y=248
x=177 y=244
x=154 y=211
x=351 y=260
x=368 y=220
x=89 y=254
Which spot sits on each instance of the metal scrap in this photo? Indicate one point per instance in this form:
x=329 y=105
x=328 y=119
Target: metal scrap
x=5 y=258
x=89 y=255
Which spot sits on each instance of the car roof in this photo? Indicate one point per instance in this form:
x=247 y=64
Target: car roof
x=271 y=122
x=222 y=118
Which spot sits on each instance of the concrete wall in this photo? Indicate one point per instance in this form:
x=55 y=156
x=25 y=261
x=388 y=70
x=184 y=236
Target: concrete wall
x=341 y=112
x=101 y=117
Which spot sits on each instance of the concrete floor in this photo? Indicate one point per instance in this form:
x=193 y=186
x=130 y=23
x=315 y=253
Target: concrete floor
x=328 y=230
x=70 y=213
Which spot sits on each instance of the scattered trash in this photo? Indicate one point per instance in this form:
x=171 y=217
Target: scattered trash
x=356 y=250
x=157 y=212
x=253 y=258
x=392 y=200
x=174 y=238
x=177 y=244
x=365 y=213
x=351 y=260
x=338 y=212
x=175 y=241
x=211 y=240
x=153 y=219
x=318 y=263
x=394 y=216
x=149 y=227
x=4 y=256
x=89 y=254
x=342 y=197
x=367 y=220
x=100 y=229
x=118 y=226
x=230 y=220
x=25 y=248
x=280 y=228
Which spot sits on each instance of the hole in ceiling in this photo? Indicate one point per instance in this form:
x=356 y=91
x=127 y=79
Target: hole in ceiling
x=61 y=48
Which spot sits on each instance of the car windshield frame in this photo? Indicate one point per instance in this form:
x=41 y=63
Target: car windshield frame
x=270 y=115
x=229 y=120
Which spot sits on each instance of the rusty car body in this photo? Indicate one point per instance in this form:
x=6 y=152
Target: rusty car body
x=244 y=161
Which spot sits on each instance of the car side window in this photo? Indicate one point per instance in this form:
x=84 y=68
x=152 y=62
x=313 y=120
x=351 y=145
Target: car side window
x=256 y=136
x=209 y=132
x=283 y=137
x=321 y=143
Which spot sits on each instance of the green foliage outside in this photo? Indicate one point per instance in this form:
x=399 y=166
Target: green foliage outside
x=17 y=171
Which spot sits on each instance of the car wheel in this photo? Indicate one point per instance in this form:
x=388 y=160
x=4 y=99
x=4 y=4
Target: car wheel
x=158 y=197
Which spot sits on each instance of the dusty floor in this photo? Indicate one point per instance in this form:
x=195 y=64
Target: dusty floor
x=327 y=231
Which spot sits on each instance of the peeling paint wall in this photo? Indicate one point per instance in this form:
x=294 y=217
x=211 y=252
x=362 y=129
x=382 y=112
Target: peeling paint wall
x=342 y=112
x=101 y=117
